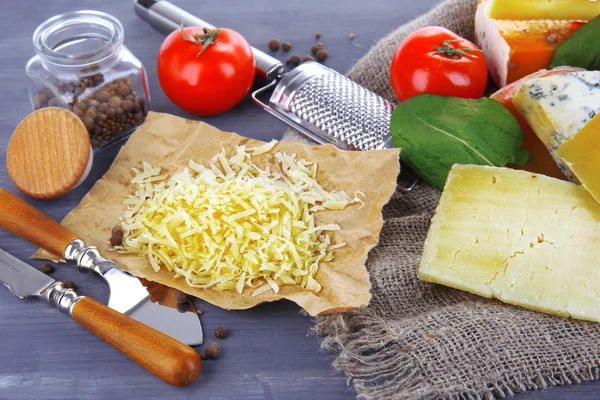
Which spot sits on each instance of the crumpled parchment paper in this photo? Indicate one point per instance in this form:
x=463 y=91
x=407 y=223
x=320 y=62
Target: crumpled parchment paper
x=169 y=142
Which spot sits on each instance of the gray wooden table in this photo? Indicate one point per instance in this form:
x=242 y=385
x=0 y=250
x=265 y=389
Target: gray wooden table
x=268 y=354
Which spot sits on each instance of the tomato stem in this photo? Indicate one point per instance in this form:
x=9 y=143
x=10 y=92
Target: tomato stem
x=205 y=39
x=448 y=50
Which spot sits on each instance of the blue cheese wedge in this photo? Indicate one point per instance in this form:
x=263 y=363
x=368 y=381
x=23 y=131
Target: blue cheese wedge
x=557 y=107
x=523 y=238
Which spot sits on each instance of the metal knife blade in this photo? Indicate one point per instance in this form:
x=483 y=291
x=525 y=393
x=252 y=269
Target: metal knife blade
x=22 y=279
x=165 y=357
x=127 y=292
x=129 y=296
x=184 y=327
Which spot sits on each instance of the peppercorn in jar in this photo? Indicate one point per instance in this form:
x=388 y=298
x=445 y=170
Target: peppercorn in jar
x=82 y=65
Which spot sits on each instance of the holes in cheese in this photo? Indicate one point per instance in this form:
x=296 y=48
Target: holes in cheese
x=232 y=224
x=523 y=238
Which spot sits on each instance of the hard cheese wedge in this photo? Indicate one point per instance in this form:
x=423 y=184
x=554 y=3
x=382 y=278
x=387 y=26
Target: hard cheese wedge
x=581 y=153
x=526 y=239
x=514 y=49
x=541 y=161
x=543 y=9
x=557 y=107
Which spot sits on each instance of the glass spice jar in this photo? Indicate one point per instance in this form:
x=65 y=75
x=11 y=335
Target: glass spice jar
x=82 y=65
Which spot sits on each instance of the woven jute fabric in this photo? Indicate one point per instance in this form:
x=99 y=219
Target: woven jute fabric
x=418 y=340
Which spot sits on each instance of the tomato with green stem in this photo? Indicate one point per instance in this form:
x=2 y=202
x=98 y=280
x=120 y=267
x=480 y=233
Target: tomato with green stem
x=435 y=60
x=205 y=72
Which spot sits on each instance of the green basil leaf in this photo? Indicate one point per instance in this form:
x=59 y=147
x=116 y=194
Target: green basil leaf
x=436 y=132
x=581 y=49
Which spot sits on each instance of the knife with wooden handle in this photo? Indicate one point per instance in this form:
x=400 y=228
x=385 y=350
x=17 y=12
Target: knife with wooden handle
x=161 y=355
x=24 y=220
x=127 y=294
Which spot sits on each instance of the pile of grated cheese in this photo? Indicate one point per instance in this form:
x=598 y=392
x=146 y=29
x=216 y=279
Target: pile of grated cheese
x=233 y=224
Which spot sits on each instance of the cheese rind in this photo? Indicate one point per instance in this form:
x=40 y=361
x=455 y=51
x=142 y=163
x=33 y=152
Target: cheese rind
x=523 y=238
x=557 y=107
x=581 y=153
x=515 y=49
x=583 y=10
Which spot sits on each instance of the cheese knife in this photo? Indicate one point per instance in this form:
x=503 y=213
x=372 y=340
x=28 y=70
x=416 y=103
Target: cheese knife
x=127 y=294
x=161 y=355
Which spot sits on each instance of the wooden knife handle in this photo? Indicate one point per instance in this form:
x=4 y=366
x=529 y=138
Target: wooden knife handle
x=161 y=355
x=24 y=220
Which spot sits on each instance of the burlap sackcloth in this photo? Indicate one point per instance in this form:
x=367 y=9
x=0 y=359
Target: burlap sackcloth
x=418 y=340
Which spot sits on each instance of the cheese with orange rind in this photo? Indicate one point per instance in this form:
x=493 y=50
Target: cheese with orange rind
x=515 y=49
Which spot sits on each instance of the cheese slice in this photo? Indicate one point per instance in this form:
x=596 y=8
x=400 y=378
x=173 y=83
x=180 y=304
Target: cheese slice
x=583 y=10
x=581 y=153
x=557 y=107
x=514 y=49
x=523 y=238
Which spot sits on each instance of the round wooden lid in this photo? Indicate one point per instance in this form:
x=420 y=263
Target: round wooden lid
x=49 y=152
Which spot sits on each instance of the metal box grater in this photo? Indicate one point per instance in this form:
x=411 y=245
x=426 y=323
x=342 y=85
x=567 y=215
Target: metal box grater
x=327 y=107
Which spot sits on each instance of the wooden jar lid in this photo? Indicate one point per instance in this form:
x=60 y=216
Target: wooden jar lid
x=49 y=153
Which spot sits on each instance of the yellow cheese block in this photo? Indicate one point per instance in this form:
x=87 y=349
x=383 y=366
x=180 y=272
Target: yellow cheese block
x=581 y=154
x=583 y=10
x=523 y=238
x=515 y=49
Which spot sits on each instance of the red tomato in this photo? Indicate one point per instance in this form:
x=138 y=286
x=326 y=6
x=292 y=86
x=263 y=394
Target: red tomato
x=435 y=60
x=210 y=81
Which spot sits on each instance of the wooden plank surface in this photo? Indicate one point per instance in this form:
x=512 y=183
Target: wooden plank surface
x=268 y=355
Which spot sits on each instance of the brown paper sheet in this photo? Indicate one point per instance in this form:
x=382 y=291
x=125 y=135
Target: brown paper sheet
x=170 y=142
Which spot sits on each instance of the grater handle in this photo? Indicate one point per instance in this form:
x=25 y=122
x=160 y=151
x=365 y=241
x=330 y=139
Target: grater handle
x=167 y=18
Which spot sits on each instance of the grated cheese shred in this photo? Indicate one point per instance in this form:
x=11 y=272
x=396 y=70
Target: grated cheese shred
x=233 y=225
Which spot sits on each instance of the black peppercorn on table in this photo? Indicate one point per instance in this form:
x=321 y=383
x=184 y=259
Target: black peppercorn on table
x=267 y=353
